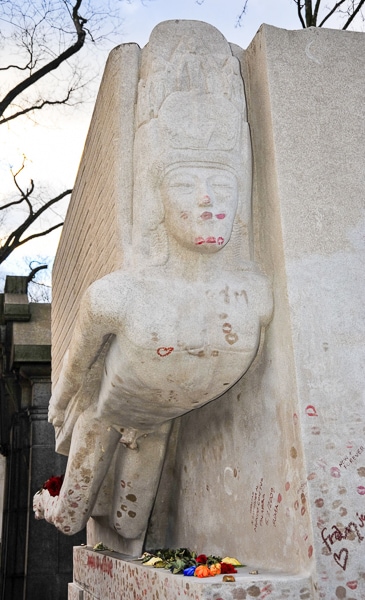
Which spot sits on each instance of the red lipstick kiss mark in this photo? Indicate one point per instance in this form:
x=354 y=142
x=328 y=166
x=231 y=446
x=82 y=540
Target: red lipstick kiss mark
x=266 y=591
x=361 y=490
x=342 y=560
x=335 y=472
x=352 y=585
x=199 y=241
x=209 y=240
x=163 y=351
x=221 y=216
x=206 y=215
x=310 y=411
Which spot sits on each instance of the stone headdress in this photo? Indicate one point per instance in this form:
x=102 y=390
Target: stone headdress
x=191 y=110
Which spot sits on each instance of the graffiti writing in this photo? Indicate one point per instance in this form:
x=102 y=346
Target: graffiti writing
x=263 y=507
x=350 y=532
x=164 y=351
x=350 y=458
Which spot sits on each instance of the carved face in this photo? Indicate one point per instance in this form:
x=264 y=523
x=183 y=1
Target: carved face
x=200 y=206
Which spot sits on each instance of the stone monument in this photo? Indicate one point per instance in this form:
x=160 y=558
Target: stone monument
x=180 y=322
x=184 y=425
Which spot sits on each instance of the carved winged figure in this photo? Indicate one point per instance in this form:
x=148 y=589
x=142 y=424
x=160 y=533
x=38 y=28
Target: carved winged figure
x=182 y=323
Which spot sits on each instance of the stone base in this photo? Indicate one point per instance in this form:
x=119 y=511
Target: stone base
x=107 y=575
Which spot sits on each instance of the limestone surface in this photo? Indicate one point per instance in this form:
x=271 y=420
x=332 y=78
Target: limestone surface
x=181 y=320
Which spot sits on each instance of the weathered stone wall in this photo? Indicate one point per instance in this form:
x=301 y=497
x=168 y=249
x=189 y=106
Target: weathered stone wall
x=101 y=199
x=275 y=468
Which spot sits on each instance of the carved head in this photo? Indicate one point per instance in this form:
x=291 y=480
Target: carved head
x=192 y=178
x=192 y=151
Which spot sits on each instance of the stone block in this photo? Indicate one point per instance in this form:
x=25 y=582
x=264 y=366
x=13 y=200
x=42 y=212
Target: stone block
x=107 y=575
x=75 y=592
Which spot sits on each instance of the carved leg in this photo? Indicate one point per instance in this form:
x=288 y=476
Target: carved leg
x=136 y=480
x=92 y=447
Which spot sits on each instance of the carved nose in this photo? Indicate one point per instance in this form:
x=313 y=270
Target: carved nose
x=205 y=200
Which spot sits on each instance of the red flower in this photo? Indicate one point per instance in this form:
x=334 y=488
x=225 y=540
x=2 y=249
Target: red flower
x=53 y=485
x=202 y=559
x=227 y=568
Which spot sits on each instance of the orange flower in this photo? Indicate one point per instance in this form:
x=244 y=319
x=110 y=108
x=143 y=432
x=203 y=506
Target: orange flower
x=215 y=569
x=202 y=571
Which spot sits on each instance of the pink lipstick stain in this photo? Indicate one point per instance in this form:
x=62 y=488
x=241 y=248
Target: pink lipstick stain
x=361 y=490
x=206 y=215
x=221 y=216
x=209 y=240
x=199 y=241
x=310 y=411
x=352 y=585
x=335 y=472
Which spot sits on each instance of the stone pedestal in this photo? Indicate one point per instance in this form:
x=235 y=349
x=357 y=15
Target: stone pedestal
x=102 y=575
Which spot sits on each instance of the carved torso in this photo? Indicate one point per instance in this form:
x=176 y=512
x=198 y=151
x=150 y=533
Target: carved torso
x=181 y=346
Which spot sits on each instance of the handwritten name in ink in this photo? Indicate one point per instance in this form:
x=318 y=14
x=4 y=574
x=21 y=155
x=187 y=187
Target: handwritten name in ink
x=352 y=531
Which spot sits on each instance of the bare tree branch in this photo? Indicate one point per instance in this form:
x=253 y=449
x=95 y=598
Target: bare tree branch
x=14 y=239
x=25 y=68
x=34 y=271
x=353 y=15
x=34 y=107
x=316 y=9
x=243 y=12
x=43 y=36
x=299 y=11
x=308 y=13
x=79 y=24
x=14 y=242
x=331 y=12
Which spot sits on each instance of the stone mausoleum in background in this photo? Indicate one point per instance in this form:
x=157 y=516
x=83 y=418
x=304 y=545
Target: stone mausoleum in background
x=36 y=561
